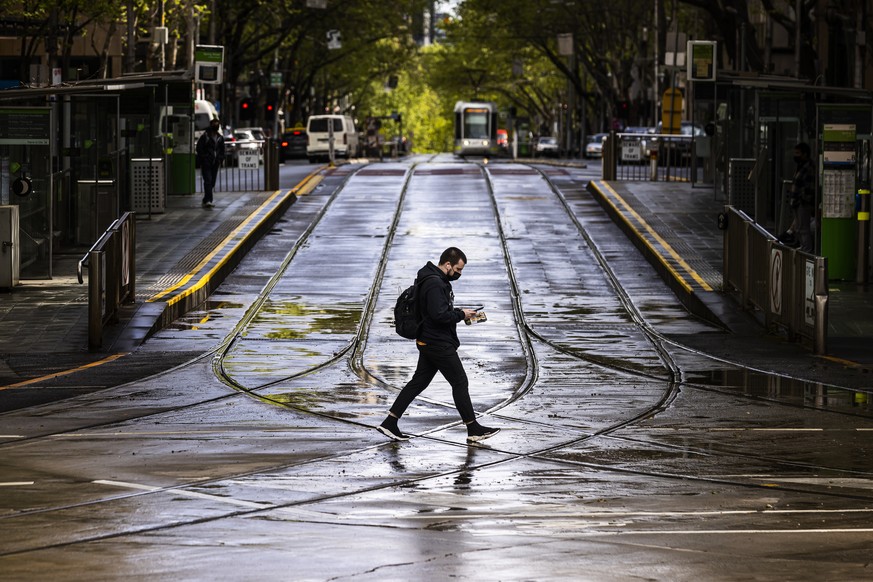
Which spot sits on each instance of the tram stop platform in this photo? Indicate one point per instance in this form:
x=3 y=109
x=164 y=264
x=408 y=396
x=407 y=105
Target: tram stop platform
x=188 y=250
x=676 y=225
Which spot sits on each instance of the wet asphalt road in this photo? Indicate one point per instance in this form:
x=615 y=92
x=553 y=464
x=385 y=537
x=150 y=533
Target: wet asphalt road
x=622 y=455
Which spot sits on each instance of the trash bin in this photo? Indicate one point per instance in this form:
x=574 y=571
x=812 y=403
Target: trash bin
x=147 y=185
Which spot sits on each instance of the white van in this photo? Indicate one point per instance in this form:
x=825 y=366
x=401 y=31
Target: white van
x=345 y=137
x=204 y=112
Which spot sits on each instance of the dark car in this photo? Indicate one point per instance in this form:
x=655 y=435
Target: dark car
x=292 y=144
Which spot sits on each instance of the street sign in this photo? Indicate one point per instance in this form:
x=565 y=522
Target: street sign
x=672 y=104
x=701 y=60
x=565 y=45
x=776 y=281
x=249 y=160
x=630 y=151
x=208 y=64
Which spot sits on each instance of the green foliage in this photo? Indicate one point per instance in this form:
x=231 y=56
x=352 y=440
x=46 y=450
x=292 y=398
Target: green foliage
x=426 y=111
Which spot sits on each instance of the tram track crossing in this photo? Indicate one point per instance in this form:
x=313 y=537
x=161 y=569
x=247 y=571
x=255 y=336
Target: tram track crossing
x=353 y=353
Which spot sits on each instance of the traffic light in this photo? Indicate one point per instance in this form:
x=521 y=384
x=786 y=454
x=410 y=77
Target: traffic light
x=246 y=110
x=272 y=103
x=623 y=109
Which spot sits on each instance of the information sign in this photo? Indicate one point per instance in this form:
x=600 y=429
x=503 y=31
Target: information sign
x=25 y=125
x=249 y=160
x=701 y=60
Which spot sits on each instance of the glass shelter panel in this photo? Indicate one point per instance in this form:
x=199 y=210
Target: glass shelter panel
x=25 y=181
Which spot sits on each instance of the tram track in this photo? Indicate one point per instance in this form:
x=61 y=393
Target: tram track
x=353 y=353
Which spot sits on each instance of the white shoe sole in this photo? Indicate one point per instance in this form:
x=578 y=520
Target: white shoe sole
x=391 y=435
x=476 y=439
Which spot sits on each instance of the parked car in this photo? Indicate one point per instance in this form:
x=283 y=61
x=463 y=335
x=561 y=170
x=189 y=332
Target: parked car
x=594 y=147
x=292 y=144
x=676 y=147
x=635 y=135
x=546 y=146
x=236 y=141
x=256 y=132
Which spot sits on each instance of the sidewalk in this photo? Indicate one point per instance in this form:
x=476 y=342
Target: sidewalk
x=182 y=255
x=678 y=217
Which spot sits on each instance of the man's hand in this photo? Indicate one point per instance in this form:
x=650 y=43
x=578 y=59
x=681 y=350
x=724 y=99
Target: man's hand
x=468 y=313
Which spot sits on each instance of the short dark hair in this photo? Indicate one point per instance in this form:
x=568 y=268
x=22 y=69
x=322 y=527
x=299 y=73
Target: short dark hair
x=803 y=148
x=453 y=255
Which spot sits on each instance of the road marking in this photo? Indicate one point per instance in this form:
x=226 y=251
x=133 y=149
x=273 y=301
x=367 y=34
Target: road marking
x=16 y=483
x=186 y=493
x=623 y=514
x=688 y=268
x=105 y=360
x=211 y=255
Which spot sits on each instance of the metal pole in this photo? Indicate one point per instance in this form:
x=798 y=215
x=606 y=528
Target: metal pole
x=863 y=234
x=95 y=304
x=821 y=305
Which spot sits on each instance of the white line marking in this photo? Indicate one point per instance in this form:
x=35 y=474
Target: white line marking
x=16 y=483
x=11 y=436
x=184 y=493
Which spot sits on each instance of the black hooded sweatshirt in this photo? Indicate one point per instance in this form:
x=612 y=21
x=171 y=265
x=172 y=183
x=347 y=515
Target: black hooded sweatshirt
x=436 y=304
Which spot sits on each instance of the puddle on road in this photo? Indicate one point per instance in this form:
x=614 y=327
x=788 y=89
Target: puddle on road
x=293 y=320
x=210 y=310
x=785 y=389
x=313 y=402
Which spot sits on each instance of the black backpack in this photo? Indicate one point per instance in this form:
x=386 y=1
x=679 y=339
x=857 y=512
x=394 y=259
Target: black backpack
x=406 y=312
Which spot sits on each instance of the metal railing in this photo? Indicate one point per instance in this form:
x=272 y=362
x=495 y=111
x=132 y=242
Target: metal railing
x=111 y=263
x=787 y=285
x=650 y=157
x=249 y=169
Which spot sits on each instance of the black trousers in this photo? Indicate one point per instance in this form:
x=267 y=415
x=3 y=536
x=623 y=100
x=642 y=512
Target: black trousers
x=433 y=359
x=209 y=173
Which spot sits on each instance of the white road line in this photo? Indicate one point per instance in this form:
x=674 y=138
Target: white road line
x=736 y=532
x=185 y=493
x=11 y=436
x=16 y=483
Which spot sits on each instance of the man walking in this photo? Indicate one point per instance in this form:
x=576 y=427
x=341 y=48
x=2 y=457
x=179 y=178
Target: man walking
x=438 y=344
x=210 y=154
x=802 y=200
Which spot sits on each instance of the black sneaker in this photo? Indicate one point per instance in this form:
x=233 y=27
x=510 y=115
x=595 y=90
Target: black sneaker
x=477 y=432
x=392 y=432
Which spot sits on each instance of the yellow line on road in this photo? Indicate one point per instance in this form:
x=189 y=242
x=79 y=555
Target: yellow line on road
x=688 y=269
x=65 y=372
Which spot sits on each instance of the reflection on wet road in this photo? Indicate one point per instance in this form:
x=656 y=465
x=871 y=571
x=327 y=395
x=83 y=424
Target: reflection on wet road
x=622 y=454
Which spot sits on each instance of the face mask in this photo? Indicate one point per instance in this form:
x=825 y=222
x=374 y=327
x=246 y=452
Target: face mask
x=454 y=276
x=798 y=160
x=214 y=128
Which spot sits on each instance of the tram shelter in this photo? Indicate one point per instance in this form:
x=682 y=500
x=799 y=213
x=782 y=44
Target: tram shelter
x=755 y=121
x=75 y=157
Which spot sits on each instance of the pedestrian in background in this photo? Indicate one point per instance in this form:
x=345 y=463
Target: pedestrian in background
x=438 y=344
x=210 y=154
x=802 y=201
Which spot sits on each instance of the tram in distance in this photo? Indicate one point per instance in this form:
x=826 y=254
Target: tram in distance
x=475 y=128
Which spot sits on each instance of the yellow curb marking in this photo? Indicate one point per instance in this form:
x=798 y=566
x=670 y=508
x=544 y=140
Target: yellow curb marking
x=688 y=269
x=65 y=372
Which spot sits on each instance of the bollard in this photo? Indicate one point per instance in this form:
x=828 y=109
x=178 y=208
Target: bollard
x=863 y=235
x=653 y=166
